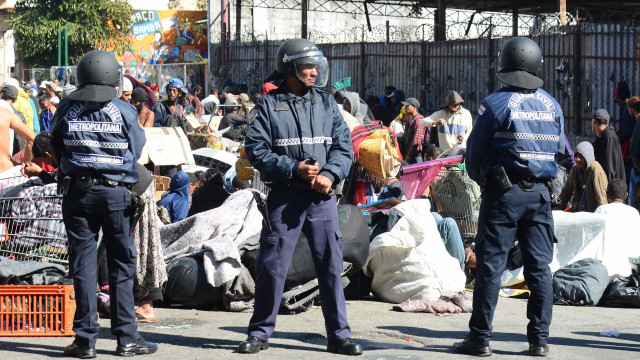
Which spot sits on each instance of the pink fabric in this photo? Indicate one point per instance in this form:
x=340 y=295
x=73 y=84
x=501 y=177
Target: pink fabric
x=417 y=177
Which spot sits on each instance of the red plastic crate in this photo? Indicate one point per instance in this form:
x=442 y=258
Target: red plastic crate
x=36 y=310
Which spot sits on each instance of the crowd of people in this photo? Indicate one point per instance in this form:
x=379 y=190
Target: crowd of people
x=298 y=137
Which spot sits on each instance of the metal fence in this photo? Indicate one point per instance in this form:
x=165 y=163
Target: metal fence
x=582 y=66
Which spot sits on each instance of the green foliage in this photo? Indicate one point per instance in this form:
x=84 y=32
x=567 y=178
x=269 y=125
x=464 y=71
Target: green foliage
x=93 y=24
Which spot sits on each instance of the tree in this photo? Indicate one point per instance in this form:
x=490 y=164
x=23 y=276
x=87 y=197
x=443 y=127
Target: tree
x=93 y=24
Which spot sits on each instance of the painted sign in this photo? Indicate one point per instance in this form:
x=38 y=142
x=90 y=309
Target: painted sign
x=165 y=37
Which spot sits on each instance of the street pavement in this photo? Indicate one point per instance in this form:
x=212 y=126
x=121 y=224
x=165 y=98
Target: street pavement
x=385 y=334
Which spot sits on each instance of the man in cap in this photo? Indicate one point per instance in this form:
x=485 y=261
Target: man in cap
x=66 y=90
x=126 y=90
x=9 y=94
x=162 y=109
x=302 y=148
x=48 y=110
x=139 y=99
x=453 y=122
x=415 y=135
x=512 y=153
x=245 y=105
x=11 y=124
x=606 y=147
x=48 y=88
x=96 y=143
x=22 y=103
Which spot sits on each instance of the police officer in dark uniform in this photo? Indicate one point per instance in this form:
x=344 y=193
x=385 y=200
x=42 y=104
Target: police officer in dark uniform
x=96 y=141
x=301 y=145
x=512 y=153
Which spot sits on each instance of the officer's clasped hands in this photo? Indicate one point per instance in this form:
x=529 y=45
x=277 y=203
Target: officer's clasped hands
x=321 y=184
x=308 y=171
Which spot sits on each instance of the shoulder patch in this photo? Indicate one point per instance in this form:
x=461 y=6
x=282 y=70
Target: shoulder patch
x=481 y=110
x=252 y=115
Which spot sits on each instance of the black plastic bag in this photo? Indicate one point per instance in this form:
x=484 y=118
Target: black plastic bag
x=187 y=285
x=622 y=292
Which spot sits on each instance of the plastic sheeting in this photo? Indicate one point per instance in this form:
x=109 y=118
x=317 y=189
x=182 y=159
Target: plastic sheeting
x=585 y=235
x=417 y=177
x=410 y=261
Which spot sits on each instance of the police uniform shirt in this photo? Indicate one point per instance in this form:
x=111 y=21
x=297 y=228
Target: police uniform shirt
x=520 y=129
x=104 y=138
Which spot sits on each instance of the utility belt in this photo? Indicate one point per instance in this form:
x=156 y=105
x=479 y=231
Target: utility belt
x=85 y=181
x=505 y=180
x=275 y=185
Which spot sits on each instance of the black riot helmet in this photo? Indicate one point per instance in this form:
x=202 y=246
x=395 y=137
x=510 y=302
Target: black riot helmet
x=295 y=54
x=520 y=62
x=97 y=76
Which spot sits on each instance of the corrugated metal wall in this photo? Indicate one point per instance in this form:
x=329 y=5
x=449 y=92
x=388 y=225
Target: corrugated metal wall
x=427 y=71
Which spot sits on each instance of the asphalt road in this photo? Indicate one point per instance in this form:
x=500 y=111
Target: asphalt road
x=385 y=334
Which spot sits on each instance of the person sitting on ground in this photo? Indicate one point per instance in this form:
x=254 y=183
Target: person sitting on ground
x=193 y=183
x=453 y=122
x=392 y=189
x=616 y=196
x=177 y=200
x=352 y=105
x=210 y=195
x=450 y=234
x=42 y=165
x=606 y=147
x=237 y=184
x=586 y=182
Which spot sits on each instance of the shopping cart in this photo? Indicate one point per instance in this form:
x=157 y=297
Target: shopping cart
x=452 y=192
x=31 y=226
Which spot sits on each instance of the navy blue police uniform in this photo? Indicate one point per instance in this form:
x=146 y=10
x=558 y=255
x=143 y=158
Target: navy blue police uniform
x=285 y=130
x=96 y=146
x=522 y=131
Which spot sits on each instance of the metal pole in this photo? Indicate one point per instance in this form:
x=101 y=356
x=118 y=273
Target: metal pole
x=184 y=76
x=305 y=6
x=514 y=28
x=238 y=19
x=66 y=45
x=59 y=45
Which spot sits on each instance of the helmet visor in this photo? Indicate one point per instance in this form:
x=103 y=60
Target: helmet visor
x=312 y=66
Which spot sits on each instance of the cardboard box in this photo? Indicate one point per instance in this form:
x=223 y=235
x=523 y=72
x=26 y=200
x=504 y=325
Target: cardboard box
x=166 y=146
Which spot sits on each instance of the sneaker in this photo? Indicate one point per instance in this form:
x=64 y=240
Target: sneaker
x=469 y=347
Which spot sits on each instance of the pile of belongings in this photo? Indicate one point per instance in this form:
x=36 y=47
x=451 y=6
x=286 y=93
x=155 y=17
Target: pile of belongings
x=375 y=147
x=410 y=261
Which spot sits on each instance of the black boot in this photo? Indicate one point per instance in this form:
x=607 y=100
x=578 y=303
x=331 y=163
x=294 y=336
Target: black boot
x=345 y=347
x=76 y=351
x=252 y=345
x=469 y=347
x=538 y=350
x=139 y=347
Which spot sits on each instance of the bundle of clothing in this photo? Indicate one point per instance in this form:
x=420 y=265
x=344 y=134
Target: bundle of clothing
x=36 y=217
x=454 y=303
x=219 y=236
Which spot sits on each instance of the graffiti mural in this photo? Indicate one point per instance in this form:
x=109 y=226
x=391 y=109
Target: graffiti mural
x=165 y=37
